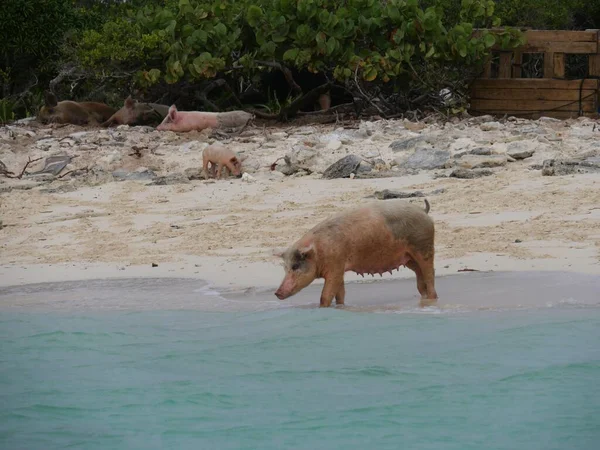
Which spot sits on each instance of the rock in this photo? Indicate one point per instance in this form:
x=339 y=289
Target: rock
x=141 y=174
x=192 y=146
x=407 y=144
x=387 y=194
x=78 y=137
x=113 y=157
x=593 y=162
x=520 y=154
x=364 y=167
x=193 y=173
x=343 y=167
x=247 y=178
x=491 y=126
x=426 y=159
x=414 y=126
x=54 y=164
x=481 y=151
x=552 y=167
x=174 y=178
x=251 y=164
x=469 y=174
x=333 y=145
x=479 y=161
x=301 y=157
x=46 y=144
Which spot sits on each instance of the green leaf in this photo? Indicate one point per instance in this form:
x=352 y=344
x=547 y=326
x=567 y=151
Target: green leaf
x=489 y=40
x=291 y=54
x=331 y=45
x=370 y=74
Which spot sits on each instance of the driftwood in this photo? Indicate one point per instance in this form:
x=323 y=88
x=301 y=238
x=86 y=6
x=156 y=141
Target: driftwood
x=9 y=174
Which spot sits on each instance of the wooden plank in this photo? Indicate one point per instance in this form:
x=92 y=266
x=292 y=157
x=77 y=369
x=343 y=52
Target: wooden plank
x=487 y=68
x=552 y=36
x=534 y=83
x=594 y=65
x=517 y=62
x=548 y=65
x=505 y=67
x=530 y=94
x=532 y=105
x=558 y=47
x=561 y=36
x=559 y=65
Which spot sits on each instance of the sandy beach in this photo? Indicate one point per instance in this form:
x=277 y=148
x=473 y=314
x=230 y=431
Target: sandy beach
x=99 y=225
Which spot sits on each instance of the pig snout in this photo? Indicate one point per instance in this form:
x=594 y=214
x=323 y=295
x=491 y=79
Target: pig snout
x=286 y=289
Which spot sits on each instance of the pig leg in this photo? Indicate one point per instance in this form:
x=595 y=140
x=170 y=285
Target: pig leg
x=428 y=271
x=334 y=287
x=339 y=296
x=412 y=265
x=205 y=168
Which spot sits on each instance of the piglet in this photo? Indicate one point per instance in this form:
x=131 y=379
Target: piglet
x=77 y=113
x=220 y=158
x=376 y=238
x=199 y=120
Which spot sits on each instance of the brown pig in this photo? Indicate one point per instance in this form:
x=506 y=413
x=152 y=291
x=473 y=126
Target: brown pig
x=220 y=158
x=77 y=113
x=374 y=238
x=137 y=113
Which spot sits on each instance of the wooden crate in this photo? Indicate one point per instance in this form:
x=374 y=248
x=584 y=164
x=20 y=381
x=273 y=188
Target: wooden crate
x=553 y=95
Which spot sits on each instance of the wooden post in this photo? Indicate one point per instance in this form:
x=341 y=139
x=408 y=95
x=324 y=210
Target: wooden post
x=594 y=68
x=548 y=64
x=517 y=62
x=559 y=65
x=505 y=69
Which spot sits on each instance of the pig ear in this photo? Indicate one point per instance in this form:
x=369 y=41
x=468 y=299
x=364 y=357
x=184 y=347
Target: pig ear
x=233 y=160
x=172 y=112
x=50 y=99
x=308 y=251
x=129 y=102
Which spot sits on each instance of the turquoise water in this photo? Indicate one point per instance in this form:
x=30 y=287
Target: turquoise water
x=300 y=379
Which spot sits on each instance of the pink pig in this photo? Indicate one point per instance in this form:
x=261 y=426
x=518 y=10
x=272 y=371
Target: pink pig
x=200 y=120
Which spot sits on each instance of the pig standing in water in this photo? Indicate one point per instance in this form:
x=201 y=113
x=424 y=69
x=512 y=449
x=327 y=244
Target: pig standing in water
x=77 y=113
x=136 y=113
x=220 y=158
x=371 y=239
x=200 y=120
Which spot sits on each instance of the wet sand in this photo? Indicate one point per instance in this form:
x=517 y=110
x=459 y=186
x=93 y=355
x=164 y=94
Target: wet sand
x=459 y=293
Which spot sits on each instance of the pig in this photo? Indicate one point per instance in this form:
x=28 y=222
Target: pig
x=137 y=113
x=77 y=113
x=221 y=158
x=370 y=239
x=199 y=120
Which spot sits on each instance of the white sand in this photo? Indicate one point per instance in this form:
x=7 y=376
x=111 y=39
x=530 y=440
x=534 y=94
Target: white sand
x=224 y=231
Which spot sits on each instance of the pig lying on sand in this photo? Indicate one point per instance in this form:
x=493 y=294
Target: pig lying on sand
x=371 y=239
x=136 y=113
x=220 y=158
x=199 y=120
x=77 y=113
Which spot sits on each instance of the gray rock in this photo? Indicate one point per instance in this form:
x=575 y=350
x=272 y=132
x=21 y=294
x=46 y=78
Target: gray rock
x=193 y=173
x=387 y=194
x=520 y=153
x=479 y=161
x=364 y=167
x=593 y=162
x=343 y=167
x=490 y=126
x=481 y=151
x=174 y=178
x=426 y=159
x=300 y=158
x=53 y=165
x=469 y=174
x=144 y=174
x=552 y=167
x=407 y=144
